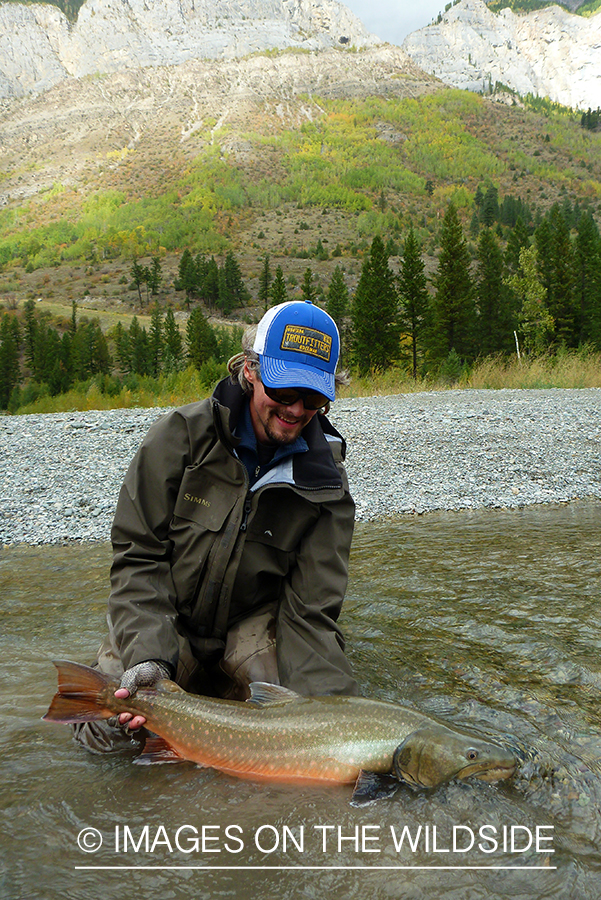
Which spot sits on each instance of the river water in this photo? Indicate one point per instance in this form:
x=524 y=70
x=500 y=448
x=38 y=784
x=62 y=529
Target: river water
x=488 y=619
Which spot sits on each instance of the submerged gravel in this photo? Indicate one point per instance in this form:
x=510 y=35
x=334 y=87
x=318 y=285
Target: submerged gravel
x=60 y=474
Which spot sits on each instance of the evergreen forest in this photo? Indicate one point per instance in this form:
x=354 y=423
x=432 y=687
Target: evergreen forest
x=533 y=288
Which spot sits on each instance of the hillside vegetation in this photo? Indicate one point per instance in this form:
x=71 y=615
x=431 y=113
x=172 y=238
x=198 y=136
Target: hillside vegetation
x=305 y=193
x=365 y=166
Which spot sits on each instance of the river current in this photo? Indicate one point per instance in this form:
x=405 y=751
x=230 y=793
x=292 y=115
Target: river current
x=489 y=620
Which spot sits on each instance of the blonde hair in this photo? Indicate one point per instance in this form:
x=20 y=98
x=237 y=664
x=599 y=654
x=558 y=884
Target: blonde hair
x=235 y=365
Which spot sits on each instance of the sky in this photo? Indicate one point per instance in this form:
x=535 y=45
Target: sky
x=393 y=20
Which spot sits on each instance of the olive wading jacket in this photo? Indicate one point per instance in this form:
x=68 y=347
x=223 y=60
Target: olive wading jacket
x=194 y=546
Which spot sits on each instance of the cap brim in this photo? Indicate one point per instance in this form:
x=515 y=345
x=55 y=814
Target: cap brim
x=275 y=373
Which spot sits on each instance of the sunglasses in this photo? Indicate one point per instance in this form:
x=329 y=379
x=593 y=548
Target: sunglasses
x=289 y=396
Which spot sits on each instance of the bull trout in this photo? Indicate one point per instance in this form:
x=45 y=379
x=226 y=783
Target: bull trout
x=280 y=736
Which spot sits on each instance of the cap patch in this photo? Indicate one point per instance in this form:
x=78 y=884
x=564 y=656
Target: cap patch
x=302 y=339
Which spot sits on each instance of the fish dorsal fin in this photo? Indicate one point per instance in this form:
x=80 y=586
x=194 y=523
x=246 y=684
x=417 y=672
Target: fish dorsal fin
x=264 y=694
x=157 y=750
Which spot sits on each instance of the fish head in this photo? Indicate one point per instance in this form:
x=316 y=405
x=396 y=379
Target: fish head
x=433 y=755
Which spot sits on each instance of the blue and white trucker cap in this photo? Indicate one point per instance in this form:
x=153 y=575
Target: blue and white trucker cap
x=298 y=346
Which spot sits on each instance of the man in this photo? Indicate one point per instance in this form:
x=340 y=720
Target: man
x=232 y=532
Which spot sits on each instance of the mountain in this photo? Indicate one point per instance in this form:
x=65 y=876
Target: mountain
x=548 y=53
x=84 y=131
x=40 y=46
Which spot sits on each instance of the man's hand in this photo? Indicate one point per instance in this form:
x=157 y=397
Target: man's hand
x=143 y=675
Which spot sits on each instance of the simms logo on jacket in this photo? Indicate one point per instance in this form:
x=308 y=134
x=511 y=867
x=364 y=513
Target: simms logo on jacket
x=307 y=340
x=194 y=499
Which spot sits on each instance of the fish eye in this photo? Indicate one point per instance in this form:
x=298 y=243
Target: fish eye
x=472 y=754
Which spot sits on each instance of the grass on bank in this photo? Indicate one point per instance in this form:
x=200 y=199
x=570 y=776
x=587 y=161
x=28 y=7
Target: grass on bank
x=570 y=369
x=567 y=370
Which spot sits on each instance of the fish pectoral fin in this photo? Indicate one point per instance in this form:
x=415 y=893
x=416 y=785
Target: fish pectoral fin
x=264 y=694
x=157 y=750
x=371 y=786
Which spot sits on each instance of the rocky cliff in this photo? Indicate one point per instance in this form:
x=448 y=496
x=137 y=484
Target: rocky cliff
x=39 y=46
x=550 y=53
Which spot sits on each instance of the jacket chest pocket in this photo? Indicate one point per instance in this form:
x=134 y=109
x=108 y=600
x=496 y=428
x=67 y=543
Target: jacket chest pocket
x=204 y=500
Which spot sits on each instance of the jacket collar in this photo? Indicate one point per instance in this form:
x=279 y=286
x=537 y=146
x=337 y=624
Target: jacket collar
x=311 y=470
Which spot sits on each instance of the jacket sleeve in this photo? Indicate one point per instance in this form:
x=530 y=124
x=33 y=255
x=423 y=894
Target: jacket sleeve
x=310 y=645
x=142 y=601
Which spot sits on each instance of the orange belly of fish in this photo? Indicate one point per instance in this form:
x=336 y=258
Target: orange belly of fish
x=282 y=771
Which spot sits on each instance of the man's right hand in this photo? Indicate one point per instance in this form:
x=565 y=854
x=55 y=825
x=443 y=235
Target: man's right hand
x=143 y=675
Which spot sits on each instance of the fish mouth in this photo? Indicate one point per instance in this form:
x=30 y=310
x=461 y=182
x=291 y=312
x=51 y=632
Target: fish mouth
x=489 y=773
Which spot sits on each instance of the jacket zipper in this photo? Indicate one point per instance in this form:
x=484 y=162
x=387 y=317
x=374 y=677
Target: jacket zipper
x=247 y=508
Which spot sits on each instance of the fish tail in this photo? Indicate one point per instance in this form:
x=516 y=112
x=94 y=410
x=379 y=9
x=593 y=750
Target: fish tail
x=83 y=694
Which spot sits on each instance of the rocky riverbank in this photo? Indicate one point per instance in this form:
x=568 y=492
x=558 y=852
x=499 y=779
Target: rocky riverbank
x=408 y=454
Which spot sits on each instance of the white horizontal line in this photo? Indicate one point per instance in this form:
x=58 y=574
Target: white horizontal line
x=307 y=868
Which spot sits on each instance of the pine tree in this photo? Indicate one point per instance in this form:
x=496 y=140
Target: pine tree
x=475 y=225
x=139 y=354
x=320 y=251
x=121 y=337
x=45 y=345
x=210 y=284
x=494 y=326
x=453 y=310
x=560 y=300
x=518 y=238
x=308 y=288
x=338 y=297
x=187 y=276
x=277 y=292
x=413 y=294
x=588 y=282
x=60 y=376
x=137 y=276
x=338 y=306
x=201 y=272
x=232 y=290
x=512 y=209
x=155 y=275
x=156 y=344
x=376 y=331
x=201 y=340
x=30 y=331
x=101 y=357
x=50 y=370
x=489 y=212
x=89 y=354
x=10 y=339
x=172 y=357
x=79 y=354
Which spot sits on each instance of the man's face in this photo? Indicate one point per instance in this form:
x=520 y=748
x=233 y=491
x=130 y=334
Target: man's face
x=272 y=422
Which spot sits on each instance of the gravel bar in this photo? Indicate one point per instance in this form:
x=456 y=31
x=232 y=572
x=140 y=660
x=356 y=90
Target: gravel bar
x=407 y=454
